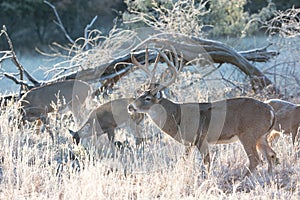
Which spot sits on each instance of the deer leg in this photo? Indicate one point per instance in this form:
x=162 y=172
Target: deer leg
x=38 y=125
x=137 y=133
x=111 y=135
x=204 y=150
x=111 y=138
x=249 y=144
x=187 y=152
x=294 y=133
x=267 y=152
x=45 y=121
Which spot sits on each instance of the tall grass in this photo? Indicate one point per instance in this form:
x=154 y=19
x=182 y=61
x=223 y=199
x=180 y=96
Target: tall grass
x=32 y=166
x=35 y=167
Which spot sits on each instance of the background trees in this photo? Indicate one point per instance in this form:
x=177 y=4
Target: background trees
x=30 y=22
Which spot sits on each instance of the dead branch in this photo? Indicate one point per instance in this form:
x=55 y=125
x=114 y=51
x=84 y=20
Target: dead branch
x=191 y=47
x=286 y=23
x=86 y=30
x=59 y=22
x=13 y=54
x=19 y=82
x=110 y=73
x=6 y=55
x=33 y=80
x=259 y=55
x=120 y=66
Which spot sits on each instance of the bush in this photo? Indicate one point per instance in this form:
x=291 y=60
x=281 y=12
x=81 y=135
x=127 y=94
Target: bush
x=227 y=17
x=191 y=16
x=184 y=16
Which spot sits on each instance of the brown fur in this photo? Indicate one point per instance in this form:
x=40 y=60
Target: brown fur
x=107 y=117
x=36 y=103
x=287 y=118
x=220 y=122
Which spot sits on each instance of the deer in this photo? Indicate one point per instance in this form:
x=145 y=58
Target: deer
x=287 y=118
x=72 y=94
x=202 y=124
x=108 y=117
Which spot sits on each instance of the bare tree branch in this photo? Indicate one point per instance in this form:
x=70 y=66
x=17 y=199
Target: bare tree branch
x=14 y=56
x=259 y=55
x=19 y=82
x=59 y=22
x=191 y=47
x=33 y=80
x=86 y=30
x=7 y=55
x=287 y=22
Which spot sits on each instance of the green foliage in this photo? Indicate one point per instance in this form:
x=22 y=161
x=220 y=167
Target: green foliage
x=30 y=22
x=227 y=17
x=33 y=19
x=190 y=16
x=257 y=19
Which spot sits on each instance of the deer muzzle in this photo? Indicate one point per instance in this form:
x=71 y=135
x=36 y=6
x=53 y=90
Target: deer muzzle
x=131 y=109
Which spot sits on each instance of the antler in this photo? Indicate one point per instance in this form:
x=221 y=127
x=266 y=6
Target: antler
x=171 y=68
x=145 y=67
x=155 y=87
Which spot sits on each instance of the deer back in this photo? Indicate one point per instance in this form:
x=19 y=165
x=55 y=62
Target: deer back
x=72 y=93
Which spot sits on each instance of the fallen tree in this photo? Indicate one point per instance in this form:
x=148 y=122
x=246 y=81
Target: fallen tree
x=190 y=48
x=187 y=47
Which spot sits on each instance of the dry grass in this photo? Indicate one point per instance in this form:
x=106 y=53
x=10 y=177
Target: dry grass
x=34 y=167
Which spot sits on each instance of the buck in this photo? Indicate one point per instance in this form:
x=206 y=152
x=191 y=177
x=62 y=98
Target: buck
x=287 y=118
x=201 y=124
x=72 y=95
x=108 y=117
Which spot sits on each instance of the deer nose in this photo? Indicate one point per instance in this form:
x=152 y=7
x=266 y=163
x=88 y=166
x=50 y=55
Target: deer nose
x=131 y=108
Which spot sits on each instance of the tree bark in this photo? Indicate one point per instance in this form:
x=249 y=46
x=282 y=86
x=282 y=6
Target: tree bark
x=189 y=48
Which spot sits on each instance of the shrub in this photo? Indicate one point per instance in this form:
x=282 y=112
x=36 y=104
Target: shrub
x=192 y=16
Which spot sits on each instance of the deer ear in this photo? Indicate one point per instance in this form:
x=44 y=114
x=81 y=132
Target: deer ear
x=158 y=95
x=139 y=91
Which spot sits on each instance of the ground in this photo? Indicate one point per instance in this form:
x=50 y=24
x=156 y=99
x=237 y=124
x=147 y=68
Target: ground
x=35 y=167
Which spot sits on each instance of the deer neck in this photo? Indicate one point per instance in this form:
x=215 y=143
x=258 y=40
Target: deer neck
x=166 y=115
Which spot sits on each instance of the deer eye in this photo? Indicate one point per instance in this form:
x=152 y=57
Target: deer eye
x=148 y=98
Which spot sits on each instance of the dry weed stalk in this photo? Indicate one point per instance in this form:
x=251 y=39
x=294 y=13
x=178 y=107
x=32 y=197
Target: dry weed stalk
x=287 y=23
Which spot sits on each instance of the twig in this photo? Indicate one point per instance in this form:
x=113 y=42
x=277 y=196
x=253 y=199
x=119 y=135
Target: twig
x=7 y=55
x=296 y=79
x=86 y=29
x=33 y=80
x=59 y=22
x=230 y=82
x=259 y=54
x=19 y=82
x=14 y=56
